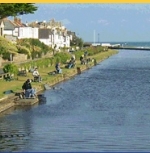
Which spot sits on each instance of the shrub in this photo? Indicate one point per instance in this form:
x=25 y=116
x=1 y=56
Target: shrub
x=78 y=54
x=35 y=46
x=62 y=57
x=24 y=50
x=10 y=68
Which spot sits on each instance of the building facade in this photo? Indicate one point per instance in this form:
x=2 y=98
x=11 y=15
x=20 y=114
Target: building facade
x=51 y=33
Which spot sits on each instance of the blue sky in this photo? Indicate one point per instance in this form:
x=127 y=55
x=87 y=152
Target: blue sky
x=111 y=22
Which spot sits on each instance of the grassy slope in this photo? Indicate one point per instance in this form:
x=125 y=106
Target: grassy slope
x=16 y=85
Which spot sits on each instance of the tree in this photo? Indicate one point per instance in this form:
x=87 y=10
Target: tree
x=80 y=42
x=15 y=9
x=77 y=42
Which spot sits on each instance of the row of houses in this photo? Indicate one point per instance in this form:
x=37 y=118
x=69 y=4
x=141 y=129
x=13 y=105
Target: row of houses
x=51 y=33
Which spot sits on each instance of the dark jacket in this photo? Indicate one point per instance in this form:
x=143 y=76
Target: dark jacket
x=26 y=85
x=57 y=66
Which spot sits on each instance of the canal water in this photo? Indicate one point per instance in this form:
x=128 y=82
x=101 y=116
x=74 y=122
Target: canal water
x=106 y=108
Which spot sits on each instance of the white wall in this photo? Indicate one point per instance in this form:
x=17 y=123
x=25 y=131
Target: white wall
x=27 y=32
x=8 y=32
x=46 y=42
x=35 y=33
x=61 y=41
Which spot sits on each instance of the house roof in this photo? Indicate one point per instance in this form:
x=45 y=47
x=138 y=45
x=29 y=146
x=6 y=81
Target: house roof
x=44 y=33
x=19 y=24
x=8 y=25
x=34 y=24
x=11 y=25
x=71 y=33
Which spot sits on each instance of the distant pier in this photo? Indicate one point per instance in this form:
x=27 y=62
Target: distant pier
x=116 y=46
x=129 y=48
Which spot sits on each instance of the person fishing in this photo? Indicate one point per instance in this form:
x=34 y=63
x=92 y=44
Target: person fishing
x=28 y=90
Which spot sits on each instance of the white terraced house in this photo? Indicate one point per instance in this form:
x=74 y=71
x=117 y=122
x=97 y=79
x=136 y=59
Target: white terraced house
x=51 y=33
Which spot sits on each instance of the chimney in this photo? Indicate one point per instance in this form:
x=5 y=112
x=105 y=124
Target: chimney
x=27 y=23
x=15 y=19
x=19 y=21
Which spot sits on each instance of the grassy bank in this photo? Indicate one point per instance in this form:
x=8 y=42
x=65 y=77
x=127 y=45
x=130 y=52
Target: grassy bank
x=16 y=85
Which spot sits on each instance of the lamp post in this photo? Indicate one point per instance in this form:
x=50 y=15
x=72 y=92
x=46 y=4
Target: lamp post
x=98 y=37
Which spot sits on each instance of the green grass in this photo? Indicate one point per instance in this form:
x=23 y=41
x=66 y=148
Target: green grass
x=16 y=85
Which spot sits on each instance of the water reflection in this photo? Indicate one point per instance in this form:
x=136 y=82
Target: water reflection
x=15 y=128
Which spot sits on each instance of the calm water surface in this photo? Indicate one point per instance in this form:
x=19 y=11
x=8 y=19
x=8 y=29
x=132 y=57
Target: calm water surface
x=104 y=109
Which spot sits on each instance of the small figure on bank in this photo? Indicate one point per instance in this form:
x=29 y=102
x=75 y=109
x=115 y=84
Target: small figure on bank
x=71 y=64
x=28 y=90
x=82 y=60
x=58 y=69
x=85 y=54
x=73 y=57
x=36 y=75
x=8 y=77
x=95 y=62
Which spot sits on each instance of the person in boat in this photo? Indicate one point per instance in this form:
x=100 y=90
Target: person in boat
x=28 y=90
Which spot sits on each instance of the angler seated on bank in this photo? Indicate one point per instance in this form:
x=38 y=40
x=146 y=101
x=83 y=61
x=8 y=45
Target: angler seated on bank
x=36 y=75
x=28 y=91
x=58 y=69
x=71 y=64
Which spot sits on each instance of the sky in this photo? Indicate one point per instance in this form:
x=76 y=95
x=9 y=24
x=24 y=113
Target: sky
x=98 y=22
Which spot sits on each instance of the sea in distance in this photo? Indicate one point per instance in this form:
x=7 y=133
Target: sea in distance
x=143 y=44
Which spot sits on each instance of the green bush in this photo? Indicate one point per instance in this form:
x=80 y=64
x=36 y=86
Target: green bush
x=62 y=57
x=52 y=61
x=24 y=50
x=35 y=46
x=78 y=54
x=11 y=68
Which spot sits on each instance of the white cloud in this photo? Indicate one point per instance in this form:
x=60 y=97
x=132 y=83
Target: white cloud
x=103 y=22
